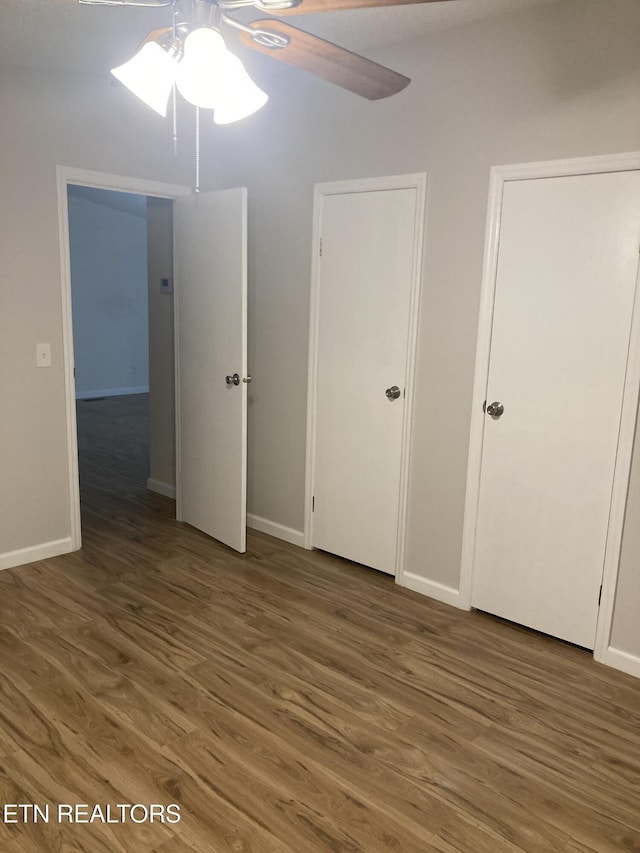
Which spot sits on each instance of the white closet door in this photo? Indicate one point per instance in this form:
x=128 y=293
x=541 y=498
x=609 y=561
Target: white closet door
x=565 y=288
x=365 y=289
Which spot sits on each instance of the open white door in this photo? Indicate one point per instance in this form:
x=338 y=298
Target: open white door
x=211 y=326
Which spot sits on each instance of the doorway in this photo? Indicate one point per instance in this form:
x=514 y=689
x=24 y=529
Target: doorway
x=79 y=177
x=121 y=265
x=365 y=295
x=555 y=397
x=210 y=349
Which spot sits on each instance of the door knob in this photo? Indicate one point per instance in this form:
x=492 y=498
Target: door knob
x=393 y=393
x=232 y=380
x=495 y=410
x=248 y=379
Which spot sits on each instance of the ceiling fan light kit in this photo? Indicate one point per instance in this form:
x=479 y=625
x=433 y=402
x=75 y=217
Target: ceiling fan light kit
x=150 y=75
x=205 y=73
x=240 y=97
x=199 y=77
x=191 y=56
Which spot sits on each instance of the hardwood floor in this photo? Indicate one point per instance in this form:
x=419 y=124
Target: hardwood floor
x=287 y=701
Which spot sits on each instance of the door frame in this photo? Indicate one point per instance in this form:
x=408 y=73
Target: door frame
x=66 y=175
x=417 y=181
x=498 y=177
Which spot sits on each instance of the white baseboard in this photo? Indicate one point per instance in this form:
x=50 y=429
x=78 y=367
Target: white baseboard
x=433 y=589
x=623 y=661
x=112 y=392
x=161 y=488
x=35 y=552
x=296 y=537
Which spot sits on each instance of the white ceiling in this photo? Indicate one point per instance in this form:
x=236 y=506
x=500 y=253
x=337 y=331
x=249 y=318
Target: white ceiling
x=61 y=34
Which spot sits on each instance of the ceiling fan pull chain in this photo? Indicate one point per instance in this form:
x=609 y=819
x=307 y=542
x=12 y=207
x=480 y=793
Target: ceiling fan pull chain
x=197 y=150
x=174 y=102
x=174 y=118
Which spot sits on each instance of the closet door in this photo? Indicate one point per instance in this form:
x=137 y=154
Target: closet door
x=565 y=289
x=364 y=309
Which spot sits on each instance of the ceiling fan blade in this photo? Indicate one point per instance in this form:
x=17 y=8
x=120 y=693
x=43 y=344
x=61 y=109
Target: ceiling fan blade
x=154 y=35
x=326 y=60
x=305 y=7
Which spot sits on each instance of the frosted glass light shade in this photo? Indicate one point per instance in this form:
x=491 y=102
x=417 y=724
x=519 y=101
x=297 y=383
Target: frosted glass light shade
x=149 y=75
x=240 y=97
x=201 y=72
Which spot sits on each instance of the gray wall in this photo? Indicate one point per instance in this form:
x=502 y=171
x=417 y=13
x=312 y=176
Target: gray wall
x=108 y=243
x=626 y=626
x=559 y=81
x=51 y=119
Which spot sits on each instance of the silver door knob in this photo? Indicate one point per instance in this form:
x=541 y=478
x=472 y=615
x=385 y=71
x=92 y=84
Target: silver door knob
x=495 y=410
x=248 y=379
x=393 y=393
x=232 y=380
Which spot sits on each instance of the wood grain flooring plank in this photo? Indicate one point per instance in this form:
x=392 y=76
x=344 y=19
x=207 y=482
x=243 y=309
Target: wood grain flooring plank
x=20 y=663
x=30 y=836
x=507 y=794
x=614 y=697
x=504 y=692
x=308 y=723
x=289 y=701
x=176 y=845
x=22 y=722
x=98 y=744
x=571 y=777
x=21 y=606
x=211 y=822
x=84 y=599
x=413 y=761
x=52 y=779
x=125 y=700
x=265 y=593
x=292 y=798
x=399 y=677
x=263 y=658
x=391 y=605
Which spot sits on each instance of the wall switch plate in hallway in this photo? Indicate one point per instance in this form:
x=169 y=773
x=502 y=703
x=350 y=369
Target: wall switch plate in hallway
x=43 y=355
x=166 y=285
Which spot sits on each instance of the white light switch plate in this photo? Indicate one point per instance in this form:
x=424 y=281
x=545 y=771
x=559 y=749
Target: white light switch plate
x=43 y=355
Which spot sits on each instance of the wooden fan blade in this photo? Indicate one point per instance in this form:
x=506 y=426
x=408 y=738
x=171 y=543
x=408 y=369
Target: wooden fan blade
x=154 y=35
x=327 y=60
x=306 y=7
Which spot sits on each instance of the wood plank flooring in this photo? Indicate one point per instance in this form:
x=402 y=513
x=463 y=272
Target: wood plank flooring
x=288 y=701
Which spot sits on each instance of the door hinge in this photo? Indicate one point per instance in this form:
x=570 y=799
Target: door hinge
x=600 y=595
x=313 y=504
x=74 y=373
x=321 y=247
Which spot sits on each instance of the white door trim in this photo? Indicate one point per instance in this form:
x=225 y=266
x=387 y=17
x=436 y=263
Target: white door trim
x=418 y=182
x=66 y=175
x=499 y=176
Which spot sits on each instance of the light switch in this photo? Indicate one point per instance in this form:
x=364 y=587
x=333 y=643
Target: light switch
x=43 y=355
x=166 y=285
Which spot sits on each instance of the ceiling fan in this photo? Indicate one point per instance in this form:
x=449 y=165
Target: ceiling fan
x=269 y=36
